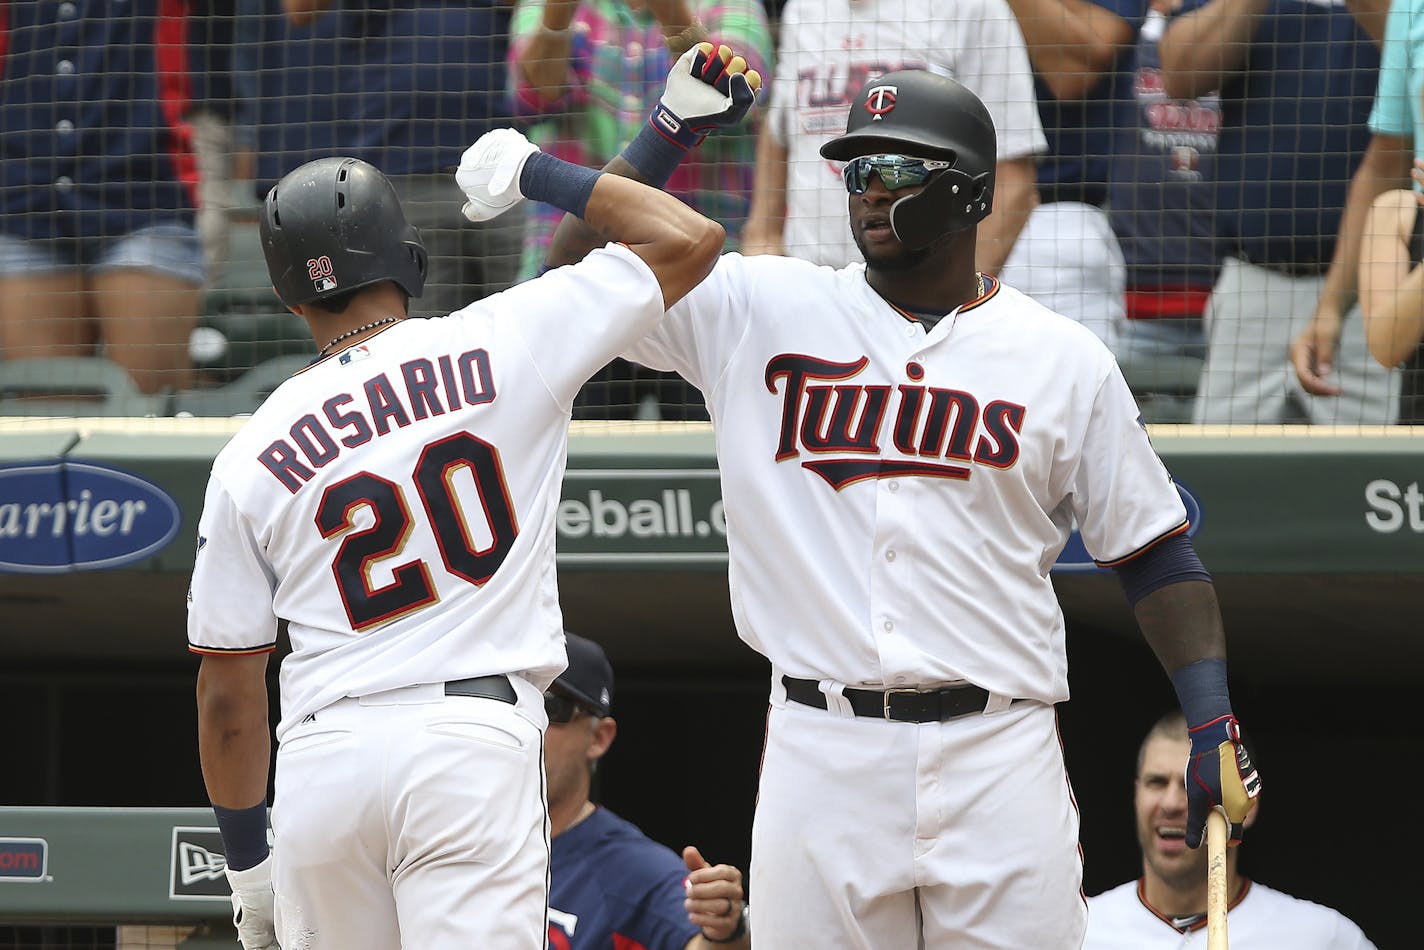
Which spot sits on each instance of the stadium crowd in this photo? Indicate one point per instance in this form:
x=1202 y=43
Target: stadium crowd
x=1192 y=179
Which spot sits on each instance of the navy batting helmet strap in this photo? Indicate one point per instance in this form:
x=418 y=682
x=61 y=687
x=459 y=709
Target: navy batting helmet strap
x=924 y=114
x=334 y=225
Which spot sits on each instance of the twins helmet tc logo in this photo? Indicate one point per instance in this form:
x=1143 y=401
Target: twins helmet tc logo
x=880 y=100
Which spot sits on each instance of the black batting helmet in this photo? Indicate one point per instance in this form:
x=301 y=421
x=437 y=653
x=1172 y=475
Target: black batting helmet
x=336 y=224
x=926 y=115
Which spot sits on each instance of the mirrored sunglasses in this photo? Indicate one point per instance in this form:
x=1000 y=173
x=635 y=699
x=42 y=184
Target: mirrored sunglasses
x=561 y=709
x=895 y=171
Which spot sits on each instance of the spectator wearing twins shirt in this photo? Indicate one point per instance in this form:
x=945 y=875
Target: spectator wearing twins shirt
x=1067 y=257
x=828 y=49
x=98 y=247
x=585 y=75
x=1296 y=78
x=1160 y=205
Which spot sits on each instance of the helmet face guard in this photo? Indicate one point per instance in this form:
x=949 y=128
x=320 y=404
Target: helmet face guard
x=335 y=225
x=902 y=122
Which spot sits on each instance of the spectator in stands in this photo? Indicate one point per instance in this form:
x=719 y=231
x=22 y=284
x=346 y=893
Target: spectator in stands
x=585 y=75
x=1392 y=291
x=98 y=246
x=1165 y=906
x=1160 y=206
x=827 y=51
x=404 y=86
x=223 y=128
x=1067 y=257
x=611 y=886
x=1397 y=128
x=1295 y=79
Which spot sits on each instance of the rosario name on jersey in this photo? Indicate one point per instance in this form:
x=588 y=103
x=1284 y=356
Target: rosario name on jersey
x=913 y=489
x=394 y=502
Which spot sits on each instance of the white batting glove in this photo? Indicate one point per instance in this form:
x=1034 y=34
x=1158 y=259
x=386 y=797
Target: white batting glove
x=489 y=173
x=709 y=87
x=253 y=906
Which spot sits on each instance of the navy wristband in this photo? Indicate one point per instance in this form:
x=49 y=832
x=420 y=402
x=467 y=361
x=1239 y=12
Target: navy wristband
x=654 y=155
x=554 y=181
x=1201 y=691
x=244 y=835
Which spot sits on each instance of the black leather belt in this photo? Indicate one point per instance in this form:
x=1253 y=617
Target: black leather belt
x=898 y=705
x=484 y=687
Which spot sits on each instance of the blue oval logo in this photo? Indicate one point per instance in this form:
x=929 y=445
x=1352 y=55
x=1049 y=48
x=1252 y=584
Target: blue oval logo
x=58 y=517
x=1074 y=558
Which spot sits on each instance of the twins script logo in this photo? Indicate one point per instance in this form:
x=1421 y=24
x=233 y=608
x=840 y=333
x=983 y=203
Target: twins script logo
x=881 y=100
x=935 y=432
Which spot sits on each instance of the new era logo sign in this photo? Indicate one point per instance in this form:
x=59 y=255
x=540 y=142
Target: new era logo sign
x=24 y=859
x=199 y=868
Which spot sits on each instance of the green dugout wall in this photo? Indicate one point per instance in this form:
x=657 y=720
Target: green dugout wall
x=1315 y=538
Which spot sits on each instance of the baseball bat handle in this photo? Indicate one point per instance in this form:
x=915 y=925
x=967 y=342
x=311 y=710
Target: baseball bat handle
x=1216 y=898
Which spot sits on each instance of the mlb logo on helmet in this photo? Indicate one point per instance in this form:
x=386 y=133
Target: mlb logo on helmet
x=880 y=100
x=322 y=274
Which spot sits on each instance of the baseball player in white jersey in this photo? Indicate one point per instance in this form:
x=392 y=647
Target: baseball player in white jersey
x=394 y=503
x=828 y=50
x=905 y=446
x=1165 y=909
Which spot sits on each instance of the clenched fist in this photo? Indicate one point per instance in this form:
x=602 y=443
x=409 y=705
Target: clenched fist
x=489 y=173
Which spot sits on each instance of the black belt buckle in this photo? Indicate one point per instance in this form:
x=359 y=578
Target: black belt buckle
x=906 y=704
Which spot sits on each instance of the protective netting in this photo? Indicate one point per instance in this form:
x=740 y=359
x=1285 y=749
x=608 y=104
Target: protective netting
x=1190 y=223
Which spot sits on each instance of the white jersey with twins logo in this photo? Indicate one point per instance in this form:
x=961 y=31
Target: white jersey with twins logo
x=827 y=52
x=1260 y=919
x=894 y=500
x=394 y=502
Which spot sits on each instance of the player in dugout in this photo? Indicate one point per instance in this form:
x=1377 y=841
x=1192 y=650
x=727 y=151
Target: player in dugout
x=1165 y=909
x=905 y=446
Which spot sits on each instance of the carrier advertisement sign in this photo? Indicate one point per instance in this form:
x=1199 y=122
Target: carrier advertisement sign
x=62 y=517
x=24 y=860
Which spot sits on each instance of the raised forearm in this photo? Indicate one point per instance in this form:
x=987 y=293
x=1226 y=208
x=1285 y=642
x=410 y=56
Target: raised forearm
x=543 y=59
x=575 y=237
x=1202 y=49
x=677 y=243
x=1071 y=43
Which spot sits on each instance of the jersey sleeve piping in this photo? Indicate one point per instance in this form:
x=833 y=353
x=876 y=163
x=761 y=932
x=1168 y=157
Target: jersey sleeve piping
x=1117 y=562
x=231 y=651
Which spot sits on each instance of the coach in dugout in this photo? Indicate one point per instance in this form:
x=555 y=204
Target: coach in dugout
x=611 y=886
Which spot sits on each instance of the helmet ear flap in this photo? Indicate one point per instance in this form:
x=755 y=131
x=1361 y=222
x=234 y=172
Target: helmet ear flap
x=952 y=201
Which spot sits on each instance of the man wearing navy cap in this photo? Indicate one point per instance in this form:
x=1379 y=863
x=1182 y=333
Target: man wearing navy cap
x=611 y=885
